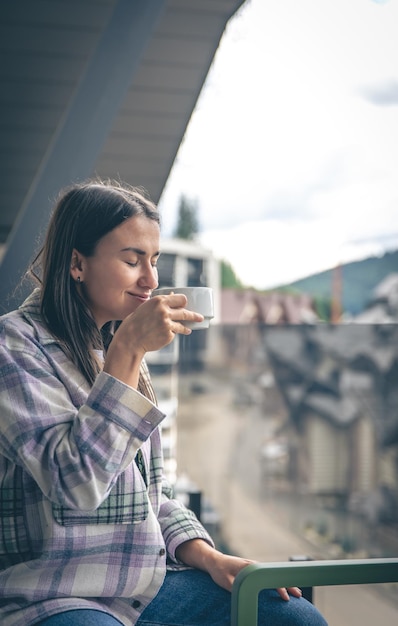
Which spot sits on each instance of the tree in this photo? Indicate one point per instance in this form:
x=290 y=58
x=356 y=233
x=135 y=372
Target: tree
x=188 y=223
x=228 y=277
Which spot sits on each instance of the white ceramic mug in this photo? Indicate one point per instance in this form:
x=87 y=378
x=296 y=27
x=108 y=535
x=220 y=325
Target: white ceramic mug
x=199 y=299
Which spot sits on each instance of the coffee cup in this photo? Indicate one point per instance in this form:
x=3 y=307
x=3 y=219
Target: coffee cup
x=199 y=299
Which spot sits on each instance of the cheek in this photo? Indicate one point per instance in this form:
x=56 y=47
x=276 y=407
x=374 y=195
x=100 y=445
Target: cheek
x=101 y=285
x=115 y=276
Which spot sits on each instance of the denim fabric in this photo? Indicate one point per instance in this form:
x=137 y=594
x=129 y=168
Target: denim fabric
x=191 y=598
x=81 y=617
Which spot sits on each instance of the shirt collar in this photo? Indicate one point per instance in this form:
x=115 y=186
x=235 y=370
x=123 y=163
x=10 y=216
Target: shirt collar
x=30 y=309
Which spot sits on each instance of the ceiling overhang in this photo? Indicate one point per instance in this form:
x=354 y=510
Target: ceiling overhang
x=94 y=87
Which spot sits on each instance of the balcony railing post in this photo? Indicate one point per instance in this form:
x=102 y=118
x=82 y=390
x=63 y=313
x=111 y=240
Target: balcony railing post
x=195 y=503
x=308 y=592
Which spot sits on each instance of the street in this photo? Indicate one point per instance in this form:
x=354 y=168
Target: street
x=218 y=448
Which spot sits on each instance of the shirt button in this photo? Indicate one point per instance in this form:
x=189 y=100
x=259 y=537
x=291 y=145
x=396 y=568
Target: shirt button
x=162 y=552
x=136 y=604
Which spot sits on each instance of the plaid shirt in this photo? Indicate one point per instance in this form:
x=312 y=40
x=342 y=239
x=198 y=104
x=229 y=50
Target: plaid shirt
x=80 y=528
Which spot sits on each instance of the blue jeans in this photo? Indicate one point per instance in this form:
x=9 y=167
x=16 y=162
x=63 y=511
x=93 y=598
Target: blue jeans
x=191 y=598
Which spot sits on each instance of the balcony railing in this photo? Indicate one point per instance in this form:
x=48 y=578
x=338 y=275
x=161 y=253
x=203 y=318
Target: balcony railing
x=253 y=578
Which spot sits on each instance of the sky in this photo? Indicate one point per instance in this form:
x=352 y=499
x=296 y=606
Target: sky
x=291 y=154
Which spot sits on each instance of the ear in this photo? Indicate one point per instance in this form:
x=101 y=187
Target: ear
x=76 y=265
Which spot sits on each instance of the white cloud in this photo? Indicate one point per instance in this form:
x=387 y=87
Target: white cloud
x=291 y=144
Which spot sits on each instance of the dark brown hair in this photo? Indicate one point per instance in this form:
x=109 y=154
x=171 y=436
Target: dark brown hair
x=83 y=214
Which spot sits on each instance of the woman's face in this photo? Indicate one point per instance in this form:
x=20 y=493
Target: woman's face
x=122 y=272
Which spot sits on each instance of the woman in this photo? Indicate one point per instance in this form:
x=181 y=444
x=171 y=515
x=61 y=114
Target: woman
x=88 y=524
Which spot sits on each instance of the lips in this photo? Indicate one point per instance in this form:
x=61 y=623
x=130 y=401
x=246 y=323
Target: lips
x=141 y=297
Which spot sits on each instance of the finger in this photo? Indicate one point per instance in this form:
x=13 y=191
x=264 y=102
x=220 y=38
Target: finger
x=283 y=593
x=175 y=300
x=295 y=591
x=176 y=303
x=185 y=315
x=180 y=329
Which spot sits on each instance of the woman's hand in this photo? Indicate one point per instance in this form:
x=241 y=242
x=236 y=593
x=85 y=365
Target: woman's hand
x=150 y=327
x=157 y=321
x=223 y=568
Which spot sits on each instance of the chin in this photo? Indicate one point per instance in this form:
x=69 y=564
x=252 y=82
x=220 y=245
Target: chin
x=128 y=310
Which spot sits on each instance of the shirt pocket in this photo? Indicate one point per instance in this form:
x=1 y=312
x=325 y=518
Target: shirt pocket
x=124 y=505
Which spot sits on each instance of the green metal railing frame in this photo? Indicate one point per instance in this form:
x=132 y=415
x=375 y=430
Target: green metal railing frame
x=257 y=576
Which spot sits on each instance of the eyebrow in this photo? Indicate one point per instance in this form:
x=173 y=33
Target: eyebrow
x=138 y=251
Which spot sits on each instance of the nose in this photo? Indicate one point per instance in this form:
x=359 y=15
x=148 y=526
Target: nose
x=149 y=276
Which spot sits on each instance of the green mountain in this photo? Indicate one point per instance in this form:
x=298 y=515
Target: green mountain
x=358 y=280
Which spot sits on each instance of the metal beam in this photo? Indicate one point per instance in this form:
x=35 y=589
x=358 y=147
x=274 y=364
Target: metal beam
x=73 y=151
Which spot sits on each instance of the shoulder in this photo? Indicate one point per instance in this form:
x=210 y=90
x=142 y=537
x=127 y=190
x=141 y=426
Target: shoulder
x=23 y=328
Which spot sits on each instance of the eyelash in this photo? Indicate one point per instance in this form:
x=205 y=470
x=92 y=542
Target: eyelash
x=136 y=264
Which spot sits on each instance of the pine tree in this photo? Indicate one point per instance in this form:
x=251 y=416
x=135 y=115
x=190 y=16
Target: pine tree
x=229 y=278
x=188 y=223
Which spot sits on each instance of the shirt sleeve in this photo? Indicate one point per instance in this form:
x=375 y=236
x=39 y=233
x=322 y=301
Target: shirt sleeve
x=178 y=524
x=74 y=453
